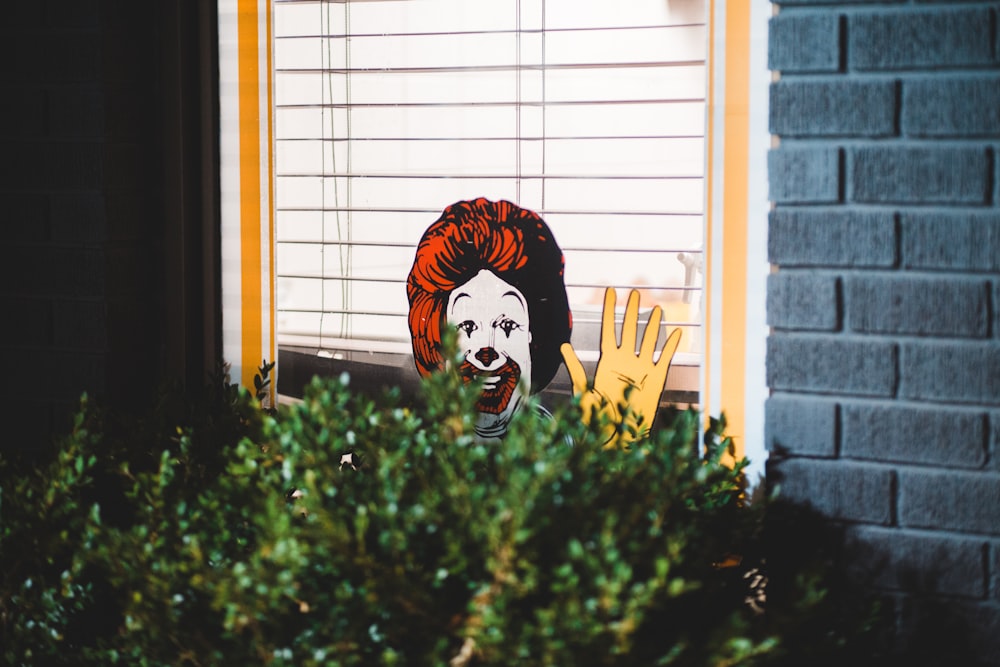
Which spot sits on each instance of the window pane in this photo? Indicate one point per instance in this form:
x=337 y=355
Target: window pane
x=591 y=113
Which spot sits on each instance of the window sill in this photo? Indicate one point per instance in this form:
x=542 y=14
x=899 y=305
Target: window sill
x=373 y=372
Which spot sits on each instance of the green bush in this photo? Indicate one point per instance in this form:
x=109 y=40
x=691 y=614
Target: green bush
x=347 y=530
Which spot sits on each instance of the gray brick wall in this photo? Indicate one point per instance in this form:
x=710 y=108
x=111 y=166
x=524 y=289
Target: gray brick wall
x=884 y=356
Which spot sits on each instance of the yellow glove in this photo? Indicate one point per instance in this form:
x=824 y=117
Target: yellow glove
x=627 y=386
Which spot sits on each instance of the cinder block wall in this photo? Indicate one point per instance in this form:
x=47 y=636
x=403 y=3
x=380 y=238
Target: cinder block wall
x=81 y=210
x=884 y=356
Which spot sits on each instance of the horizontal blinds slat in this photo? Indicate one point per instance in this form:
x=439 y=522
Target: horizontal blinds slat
x=550 y=138
x=477 y=69
x=413 y=122
x=470 y=88
x=437 y=211
x=525 y=31
x=588 y=314
x=487 y=104
x=412 y=246
x=389 y=275
x=635 y=195
x=569 y=284
x=522 y=177
x=580 y=321
x=594 y=319
x=353 y=311
x=659 y=233
x=583 y=158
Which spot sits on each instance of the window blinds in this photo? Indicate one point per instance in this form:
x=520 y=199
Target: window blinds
x=590 y=113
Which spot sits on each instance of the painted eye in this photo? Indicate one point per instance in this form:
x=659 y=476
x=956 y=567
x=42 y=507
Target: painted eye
x=468 y=326
x=507 y=325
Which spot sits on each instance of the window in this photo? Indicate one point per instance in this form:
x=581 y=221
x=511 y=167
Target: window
x=592 y=114
x=255 y=136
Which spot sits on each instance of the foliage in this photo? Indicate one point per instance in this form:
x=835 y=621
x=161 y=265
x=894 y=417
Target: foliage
x=346 y=530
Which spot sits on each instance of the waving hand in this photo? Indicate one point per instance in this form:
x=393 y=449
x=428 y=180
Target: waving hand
x=627 y=386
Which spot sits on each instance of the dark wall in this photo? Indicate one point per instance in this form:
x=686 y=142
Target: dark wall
x=884 y=359
x=107 y=205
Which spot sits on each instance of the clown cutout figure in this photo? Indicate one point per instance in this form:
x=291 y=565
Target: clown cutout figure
x=494 y=271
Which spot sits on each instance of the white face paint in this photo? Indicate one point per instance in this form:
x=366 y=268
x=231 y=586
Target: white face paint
x=494 y=340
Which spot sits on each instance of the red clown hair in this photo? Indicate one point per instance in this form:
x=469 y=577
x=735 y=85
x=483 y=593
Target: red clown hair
x=518 y=247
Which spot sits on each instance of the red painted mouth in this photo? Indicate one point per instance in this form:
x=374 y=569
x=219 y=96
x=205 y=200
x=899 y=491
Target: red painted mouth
x=499 y=387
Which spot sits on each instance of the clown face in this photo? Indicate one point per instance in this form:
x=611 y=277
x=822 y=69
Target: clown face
x=492 y=320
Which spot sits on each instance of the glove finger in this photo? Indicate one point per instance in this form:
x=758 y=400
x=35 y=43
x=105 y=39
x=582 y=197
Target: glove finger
x=577 y=374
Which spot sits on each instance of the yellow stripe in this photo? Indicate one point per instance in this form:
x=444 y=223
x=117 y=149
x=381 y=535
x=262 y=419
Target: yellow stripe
x=250 y=269
x=270 y=199
x=707 y=286
x=730 y=224
x=735 y=193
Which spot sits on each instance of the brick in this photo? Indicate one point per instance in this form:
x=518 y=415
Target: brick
x=954 y=371
x=904 y=304
x=804 y=43
x=848 y=238
x=921 y=562
x=128 y=15
x=803 y=300
x=124 y=113
x=941 y=631
x=995 y=304
x=33 y=318
x=55 y=57
x=42 y=375
x=54 y=271
x=80 y=325
x=27 y=117
x=947 y=175
x=128 y=216
x=123 y=167
x=994 y=566
x=129 y=270
x=26 y=14
x=25 y=218
x=78 y=218
x=831 y=364
x=849 y=491
x=927 y=435
x=805 y=175
x=48 y=166
x=919 y=39
x=951 y=107
x=75 y=111
x=994 y=436
x=72 y=57
x=803 y=425
x=950 y=241
x=996 y=173
x=32 y=430
x=80 y=15
x=130 y=327
x=127 y=57
x=833 y=108
x=949 y=500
